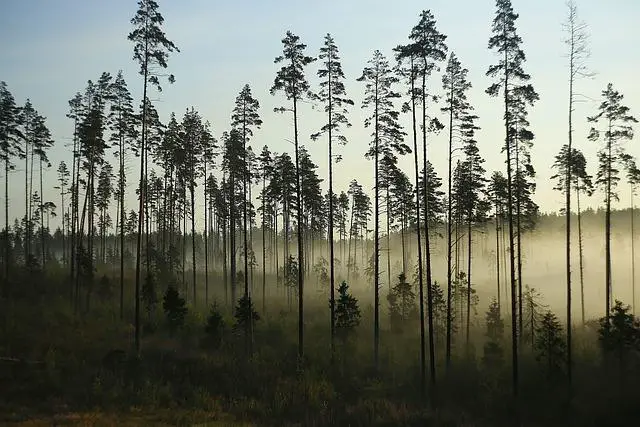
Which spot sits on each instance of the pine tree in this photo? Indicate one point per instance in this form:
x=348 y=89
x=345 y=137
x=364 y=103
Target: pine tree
x=193 y=139
x=243 y=119
x=549 y=346
x=581 y=183
x=497 y=190
x=387 y=138
x=461 y=127
x=63 y=182
x=290 y=79
x=233 y=163
x=266 y=165
x=578 y=53
x=9 y=147
x=123 y=134
x=347 y=313
x=512 y=80
x=402 y=303
x=174 y=308
x=151 y=51
x=493 y=351
x=333 y=95
x=427 y=47
x=616 y=121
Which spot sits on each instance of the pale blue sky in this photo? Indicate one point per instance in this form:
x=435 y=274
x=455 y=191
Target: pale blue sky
x=49 y=49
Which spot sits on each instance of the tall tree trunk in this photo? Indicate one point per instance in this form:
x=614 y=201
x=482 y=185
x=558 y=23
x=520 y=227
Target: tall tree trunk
x=7 y=243
x=427 y=237
x=416 y=168
x=514 y=322
x=332 y=279
x=300 y=236
x=607 y=229
x=449 y=243
x=580 y=256
x=498 y=257
x=633 y=259
x=193 y=243
x=43 y=237
x=232 y=238
x=388 y=239
x=141 y=205
x=468 y=280
x=376 y=237
x=206 y=239
x=264 y=247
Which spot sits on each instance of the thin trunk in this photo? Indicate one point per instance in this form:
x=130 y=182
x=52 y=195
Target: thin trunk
x=42 y=237
x=633 y=260
x=330 y=231
x=232 y=238
x=607 y=231
x=376 y=237
x=388 y=239
x=468 y=280
x=418 y=237
x=264 y=253
x=449 y=243
x=568 y=178
x=206 y=239
x=300 y=237
x=427 y=237
x=580 y=256
x=142 y=203
x=7 y=244
x=514 y=320
x=498 y=257
x=193 y=241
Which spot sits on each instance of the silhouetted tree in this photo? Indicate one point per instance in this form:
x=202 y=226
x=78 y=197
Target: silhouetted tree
x=333 y=95
x=175 y=309
x=550 y=347
x=290 y=79
x=581 y=182
x=387 y=137
x=215 y=327
x=619 y=333
x=123 y=134
x=512 y=80
x=402 y=303
x=616 y=121
x=151 y=50
x=347 y=313
x=578 y=52
x=493 y=351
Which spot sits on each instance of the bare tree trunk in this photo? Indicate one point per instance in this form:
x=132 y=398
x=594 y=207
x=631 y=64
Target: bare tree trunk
x=418 y=237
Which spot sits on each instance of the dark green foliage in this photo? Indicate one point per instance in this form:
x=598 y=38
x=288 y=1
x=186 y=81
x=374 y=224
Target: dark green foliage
x=291 y=273
x=550 y=345
x=245 y=313
x=215 y=327
x=533 y=312
x=105 y=288
x=402 y=304
x=150 y=294
x=151 y=46
x=175 y=309
x=347 y=312
x=493 y=347
x=619 y=333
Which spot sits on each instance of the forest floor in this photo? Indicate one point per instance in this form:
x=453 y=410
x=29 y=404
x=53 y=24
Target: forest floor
x=154 y=417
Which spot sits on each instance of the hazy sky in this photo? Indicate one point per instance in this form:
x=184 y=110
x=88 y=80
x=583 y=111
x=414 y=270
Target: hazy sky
x=50 y=49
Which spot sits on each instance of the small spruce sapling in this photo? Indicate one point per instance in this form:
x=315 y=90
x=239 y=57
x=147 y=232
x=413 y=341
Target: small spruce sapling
x=174 y=308
x=347 y=313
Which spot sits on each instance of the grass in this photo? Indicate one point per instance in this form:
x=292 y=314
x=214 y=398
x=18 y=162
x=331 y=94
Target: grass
x=179 y=380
